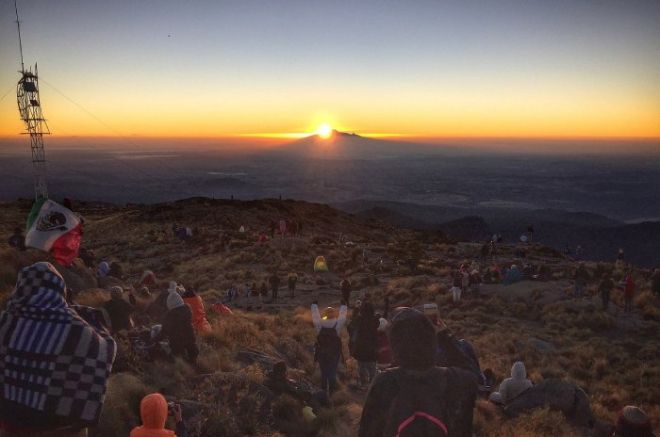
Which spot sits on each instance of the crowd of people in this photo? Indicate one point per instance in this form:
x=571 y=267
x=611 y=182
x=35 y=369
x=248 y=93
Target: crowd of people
x=409 y=361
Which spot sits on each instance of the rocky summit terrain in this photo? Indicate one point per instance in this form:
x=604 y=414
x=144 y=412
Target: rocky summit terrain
x=612 y=355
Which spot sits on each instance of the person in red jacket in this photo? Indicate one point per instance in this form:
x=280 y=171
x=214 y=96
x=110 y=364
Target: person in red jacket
x=629 y=291
x=384 y=349
x=196 y=304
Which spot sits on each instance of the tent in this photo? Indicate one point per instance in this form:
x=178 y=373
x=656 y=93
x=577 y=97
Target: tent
x=241 y=229
x=320 y=265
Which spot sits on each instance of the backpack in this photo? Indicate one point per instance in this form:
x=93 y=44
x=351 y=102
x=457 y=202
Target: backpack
x=419 y=409
x=328 y=345
x=353 y=336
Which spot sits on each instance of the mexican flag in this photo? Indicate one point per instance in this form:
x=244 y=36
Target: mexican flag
x=55 y=229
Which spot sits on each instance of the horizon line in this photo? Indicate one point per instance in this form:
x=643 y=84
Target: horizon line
x=299 y=135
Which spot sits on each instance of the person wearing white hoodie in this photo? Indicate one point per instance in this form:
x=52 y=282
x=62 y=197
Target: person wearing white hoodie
x=328 y=348
x=512 y=387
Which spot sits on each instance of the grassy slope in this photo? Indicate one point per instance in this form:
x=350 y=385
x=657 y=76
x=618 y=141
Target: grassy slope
x=610 y=355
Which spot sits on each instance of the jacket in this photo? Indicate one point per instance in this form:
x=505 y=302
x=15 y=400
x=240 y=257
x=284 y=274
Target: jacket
x=178 y=330
x=512 y=387
x=153 y=412
x=456 y=387
x=199 y=321
x=365 y=346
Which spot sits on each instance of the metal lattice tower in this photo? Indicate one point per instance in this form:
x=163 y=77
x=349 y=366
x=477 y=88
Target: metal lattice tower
x=29 y=107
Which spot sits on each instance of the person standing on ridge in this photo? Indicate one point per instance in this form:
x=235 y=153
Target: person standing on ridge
x=605 y=289
x=328 y=349
x=274 y=281
x=628 y=291
x=292 y=280
x=364 y=336
x=345 y=286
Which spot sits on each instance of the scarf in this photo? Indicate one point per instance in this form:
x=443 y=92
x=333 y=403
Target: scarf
x=54 y=358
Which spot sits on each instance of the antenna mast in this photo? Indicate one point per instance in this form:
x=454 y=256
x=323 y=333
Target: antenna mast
x=29 y=107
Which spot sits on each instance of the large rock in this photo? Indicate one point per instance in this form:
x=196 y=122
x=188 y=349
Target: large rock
x=558 y=395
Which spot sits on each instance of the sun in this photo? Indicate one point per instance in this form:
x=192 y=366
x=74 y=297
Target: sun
x=324 y=131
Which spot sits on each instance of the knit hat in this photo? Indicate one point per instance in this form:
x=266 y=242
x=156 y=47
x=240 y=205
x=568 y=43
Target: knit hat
x=116 y=292
x=172 y=287
x=174 y=300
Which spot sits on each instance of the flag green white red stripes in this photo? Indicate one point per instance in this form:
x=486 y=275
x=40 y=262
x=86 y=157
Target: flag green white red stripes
x=53 y=228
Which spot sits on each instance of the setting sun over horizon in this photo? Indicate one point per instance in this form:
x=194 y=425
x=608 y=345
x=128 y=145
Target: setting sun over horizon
x=433 y=71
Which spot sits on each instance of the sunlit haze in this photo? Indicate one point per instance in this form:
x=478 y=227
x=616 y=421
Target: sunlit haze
x=281 y=69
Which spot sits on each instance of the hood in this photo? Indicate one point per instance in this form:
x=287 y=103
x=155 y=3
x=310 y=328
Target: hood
x=383 y=324
x=174 y=300
x=518 y=370
x=153 y=411
x=39 y=285
x=148 y=278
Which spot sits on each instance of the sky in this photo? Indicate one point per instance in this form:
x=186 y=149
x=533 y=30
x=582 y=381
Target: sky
x=432 y=69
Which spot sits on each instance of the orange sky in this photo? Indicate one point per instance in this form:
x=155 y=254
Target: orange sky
x=430 y=71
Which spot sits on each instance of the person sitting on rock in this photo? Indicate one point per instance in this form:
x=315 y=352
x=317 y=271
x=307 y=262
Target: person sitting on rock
x=512 y=387
x=158 y=308
x=632 y=422
x=418 y=398
x=178 y=329
x=17 y=240
x=279 y=383
x=148 y=279
x=154 y=410
x=196 y=304
x=328 y=350
x=119 y=311
x=512 y=275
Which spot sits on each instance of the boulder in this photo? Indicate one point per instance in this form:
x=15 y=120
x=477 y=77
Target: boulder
x=557 y=395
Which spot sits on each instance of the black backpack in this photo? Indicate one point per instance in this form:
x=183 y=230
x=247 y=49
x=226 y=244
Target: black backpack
x=419 y=409
x=328 y=345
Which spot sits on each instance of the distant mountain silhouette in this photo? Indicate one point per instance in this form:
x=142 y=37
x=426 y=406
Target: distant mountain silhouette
x=344 y=145
x=599 y=236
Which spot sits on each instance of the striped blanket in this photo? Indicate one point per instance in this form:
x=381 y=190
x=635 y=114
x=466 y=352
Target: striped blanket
x=54 y=358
